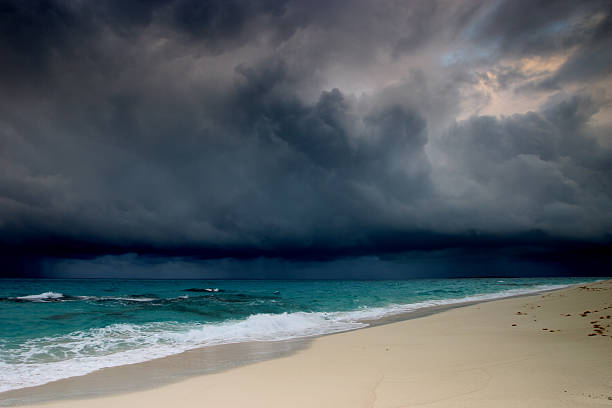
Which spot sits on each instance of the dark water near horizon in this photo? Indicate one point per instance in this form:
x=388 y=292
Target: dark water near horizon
x=53 y=329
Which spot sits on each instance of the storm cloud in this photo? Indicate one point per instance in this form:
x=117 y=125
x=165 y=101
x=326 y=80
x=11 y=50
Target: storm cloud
x=291 y=128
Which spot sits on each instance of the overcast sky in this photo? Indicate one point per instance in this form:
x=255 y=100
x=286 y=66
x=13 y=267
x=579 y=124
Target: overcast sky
x=304 y=128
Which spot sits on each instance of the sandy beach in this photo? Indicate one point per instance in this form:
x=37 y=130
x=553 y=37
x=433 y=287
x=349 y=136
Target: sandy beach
x=548 y=350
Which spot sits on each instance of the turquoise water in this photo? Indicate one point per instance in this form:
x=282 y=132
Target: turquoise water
x=52 y=329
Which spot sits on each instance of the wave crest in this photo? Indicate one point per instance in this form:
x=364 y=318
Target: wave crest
x=42 y=297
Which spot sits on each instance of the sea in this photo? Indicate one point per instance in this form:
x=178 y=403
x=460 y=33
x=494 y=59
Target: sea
x=52 y=329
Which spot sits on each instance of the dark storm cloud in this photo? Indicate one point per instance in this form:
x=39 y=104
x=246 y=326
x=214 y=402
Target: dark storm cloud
x=540 y=169
x=215 y=128
x=417 y=264
x=243 y=178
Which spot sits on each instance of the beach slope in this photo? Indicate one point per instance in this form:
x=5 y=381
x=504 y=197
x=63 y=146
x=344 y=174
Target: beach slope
x=547 y=350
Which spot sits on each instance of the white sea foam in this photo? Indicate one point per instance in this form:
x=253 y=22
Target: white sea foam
x=82 y=352
x=54 y=296
x=42 y=297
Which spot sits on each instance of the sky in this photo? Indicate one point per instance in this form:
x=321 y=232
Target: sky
x=326 y=132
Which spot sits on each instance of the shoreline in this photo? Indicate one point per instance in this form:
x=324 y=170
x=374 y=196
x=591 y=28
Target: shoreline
x=219 y=359
x=191 y=363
